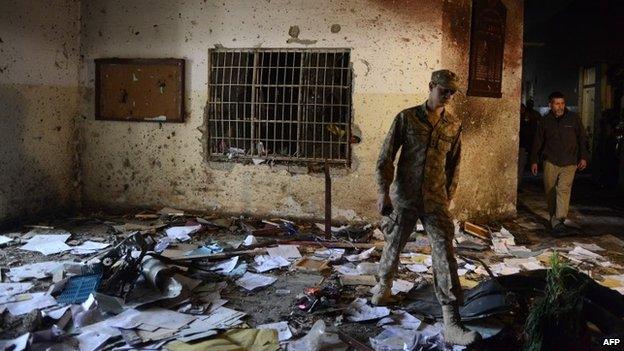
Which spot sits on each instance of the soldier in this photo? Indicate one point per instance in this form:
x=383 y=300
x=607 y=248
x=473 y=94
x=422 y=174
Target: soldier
x=426 y=178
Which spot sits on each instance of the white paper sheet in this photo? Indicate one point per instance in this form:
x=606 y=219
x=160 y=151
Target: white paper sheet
x=398 y=286
x=584 y=254
x=329 y=254
x=417 y=268
x=347 y=269
x=9 y=289
x=39 y=300
x=283 y=330
x=182 y=233
x=364 y=255
x=402 y=318
x=251 y=281
x=88 y=247
x=265 y=263
x=250 y=240
x=226 y=266
x=47 y=244
x=93 y=339
x=286 y=251
x=359 y=311
x=5 y=239
x=222 y=318
x=34 y=270
x=17 y=344
x=160 y=317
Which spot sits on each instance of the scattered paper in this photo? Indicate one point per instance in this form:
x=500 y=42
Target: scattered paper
x=590 y=247
x=398 y=286
x=182 y=233
x=283 y=330
x=415 y=258
x=220 y=318
x=159 y=317
x=266 y=263
x=10 y=292
x=286 y=251
x=38 y=300
x=17 y=344
x=168 y=211
x=418 y=268
x=581 y=254
x=88 y=247
x=251 y=281
x=226 y=266
x=364 y=255
x=329 y=254
x=359 y=311
x=93 y=339
x=5 y=239
x=347 y=269
x=368 y=280
x=35 y=270
x=250 y=240
x=402 y=318
x=368 y=267
x=47 y=244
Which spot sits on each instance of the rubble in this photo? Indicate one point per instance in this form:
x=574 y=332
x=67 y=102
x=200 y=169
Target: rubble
x=174 y=280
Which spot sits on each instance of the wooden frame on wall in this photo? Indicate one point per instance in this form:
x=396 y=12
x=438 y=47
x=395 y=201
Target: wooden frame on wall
x=487 y=45
x=139 y=90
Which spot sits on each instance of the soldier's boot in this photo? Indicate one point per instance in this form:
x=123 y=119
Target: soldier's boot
x=384 y=296
x=454 y=331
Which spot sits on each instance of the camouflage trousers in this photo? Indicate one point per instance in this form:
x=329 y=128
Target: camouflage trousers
x=439 y=227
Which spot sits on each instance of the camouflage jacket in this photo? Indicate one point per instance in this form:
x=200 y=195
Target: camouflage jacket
x=427 y=170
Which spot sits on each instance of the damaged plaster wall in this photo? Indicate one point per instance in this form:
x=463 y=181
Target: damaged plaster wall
x=395 y=46
x=38 y=105
x=488 y=175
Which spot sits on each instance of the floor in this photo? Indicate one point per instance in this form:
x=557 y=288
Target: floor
x=602 y=225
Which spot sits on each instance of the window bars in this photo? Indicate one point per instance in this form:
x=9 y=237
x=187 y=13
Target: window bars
x=280 y=104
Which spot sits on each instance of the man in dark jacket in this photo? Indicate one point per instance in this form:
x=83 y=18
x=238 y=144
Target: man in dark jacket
x=562 y=140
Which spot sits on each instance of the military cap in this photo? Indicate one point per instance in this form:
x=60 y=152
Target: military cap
x=446 y=79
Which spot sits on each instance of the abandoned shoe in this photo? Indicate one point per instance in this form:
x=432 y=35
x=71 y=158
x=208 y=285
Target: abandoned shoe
x=383 y=297
x=454 y=331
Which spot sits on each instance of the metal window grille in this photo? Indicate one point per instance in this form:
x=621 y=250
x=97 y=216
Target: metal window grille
x=280 y=104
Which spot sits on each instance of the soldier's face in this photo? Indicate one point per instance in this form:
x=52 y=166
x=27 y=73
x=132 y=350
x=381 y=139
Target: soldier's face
x=440 y=96
x=557 y=106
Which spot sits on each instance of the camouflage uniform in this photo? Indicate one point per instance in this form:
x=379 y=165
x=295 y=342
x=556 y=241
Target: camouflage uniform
x=425 y=182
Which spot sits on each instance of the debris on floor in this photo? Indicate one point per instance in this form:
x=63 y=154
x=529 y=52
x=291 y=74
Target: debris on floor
x=175 y=280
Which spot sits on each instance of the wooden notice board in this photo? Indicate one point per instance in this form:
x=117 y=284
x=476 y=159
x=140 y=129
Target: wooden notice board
x=487 y=43
x=149 y=90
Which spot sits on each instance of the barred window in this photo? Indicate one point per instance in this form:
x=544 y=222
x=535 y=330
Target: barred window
x=287 y=105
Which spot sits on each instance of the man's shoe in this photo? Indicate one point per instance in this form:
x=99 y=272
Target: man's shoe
x=454 y=331
x=559 y=230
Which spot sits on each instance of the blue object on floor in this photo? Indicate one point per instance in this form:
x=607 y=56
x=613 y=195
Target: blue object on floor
x=79 y=287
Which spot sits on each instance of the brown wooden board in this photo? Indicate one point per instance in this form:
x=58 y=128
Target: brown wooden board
x=487 y=43
x=144 y=90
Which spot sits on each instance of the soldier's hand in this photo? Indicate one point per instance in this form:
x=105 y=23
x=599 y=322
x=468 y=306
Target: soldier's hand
x=534 y=169
x=384 y=204
x=582 y=165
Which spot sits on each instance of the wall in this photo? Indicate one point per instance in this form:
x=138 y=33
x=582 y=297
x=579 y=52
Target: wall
x=488 y=176
x=38 y=104
x=395 y=46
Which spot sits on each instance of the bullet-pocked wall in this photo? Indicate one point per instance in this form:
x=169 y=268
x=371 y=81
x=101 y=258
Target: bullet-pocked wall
x=395 y=45
x=38 y=104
